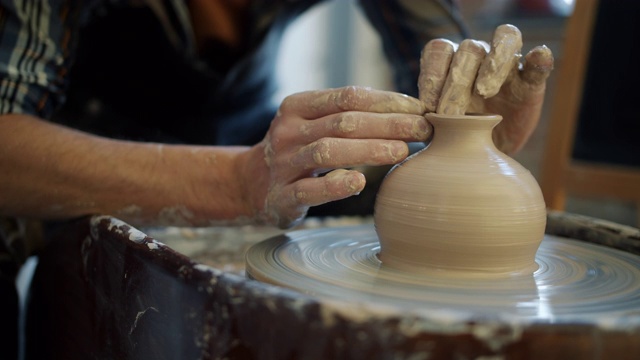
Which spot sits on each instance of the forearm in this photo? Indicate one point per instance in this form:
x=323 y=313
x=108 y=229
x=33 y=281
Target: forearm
x=52 y=172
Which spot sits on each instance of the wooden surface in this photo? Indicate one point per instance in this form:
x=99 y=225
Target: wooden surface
x=104 y=290
x=565 y=106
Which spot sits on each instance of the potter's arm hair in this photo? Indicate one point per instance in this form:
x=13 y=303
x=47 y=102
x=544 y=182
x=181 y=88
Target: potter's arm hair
x=53 y=172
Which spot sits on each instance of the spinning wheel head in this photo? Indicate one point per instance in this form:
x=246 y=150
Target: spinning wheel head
x=574 y=282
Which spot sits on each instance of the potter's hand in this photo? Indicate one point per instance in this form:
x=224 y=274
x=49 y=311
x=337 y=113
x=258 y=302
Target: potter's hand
x=319 y=131
x=466 y=78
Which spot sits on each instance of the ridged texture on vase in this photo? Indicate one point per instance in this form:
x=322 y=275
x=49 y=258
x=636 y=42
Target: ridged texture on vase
x=460 y=204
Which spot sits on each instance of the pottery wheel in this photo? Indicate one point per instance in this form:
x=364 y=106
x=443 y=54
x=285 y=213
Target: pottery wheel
x=575 y=282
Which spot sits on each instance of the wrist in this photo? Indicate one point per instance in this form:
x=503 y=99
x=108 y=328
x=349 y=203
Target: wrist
x=252 y=175
x=218 y=188
x=190 y=186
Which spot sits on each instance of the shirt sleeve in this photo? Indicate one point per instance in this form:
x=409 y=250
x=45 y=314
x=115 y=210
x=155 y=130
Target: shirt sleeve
x=37 y=38
x=405 y=26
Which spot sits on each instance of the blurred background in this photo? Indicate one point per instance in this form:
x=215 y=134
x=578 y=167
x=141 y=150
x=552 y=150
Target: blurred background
x=333 y=45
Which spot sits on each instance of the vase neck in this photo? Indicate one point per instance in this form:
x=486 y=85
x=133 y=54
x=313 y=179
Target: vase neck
x=463 y=131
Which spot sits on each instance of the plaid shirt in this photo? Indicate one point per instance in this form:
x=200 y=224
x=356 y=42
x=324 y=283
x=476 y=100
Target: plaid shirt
x=38 y=37
x=38 y=42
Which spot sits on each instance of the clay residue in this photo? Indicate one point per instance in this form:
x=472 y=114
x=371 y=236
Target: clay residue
x=301 y=195
x=177 y=215
x=397 y=103
x=321 y=151
x=119 y=227
x=346 y=180
x=339 y=183
x=419 y=130
x=129 y=211
x=538 y=66
x=394 y=151
x=356 y=98
x=139 y=317
x=497 y=336
x=504 y=54
x=268 y=150
x=306 y=129
x=434 y=67
x=456 y=95
x=347 y=123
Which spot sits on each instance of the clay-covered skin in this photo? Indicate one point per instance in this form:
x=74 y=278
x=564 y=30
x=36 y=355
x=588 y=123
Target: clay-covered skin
x=500 y=84
x=318 y=131
x=434 y=67
x=460 y=205
x=327 y=131
x=458 y=88
x=503 y=57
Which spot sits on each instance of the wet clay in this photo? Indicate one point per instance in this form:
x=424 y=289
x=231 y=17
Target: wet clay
x=354 y=98
x=460 y=205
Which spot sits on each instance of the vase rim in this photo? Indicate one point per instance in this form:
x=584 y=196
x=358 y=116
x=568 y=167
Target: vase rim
x=475 y=116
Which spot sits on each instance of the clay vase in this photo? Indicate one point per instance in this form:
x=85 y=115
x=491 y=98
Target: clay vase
x=460 y=205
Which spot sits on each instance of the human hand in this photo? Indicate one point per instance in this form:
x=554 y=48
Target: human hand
x=477 y=78
x=320 y=131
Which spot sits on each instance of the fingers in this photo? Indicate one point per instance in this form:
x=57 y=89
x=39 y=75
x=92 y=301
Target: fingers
x=291 y=202
x=504 y=55
x=405 y=127
x=336 y=185
x=434 y=67
x=456 y=94
x=538 y=65
x=331 y=153
x=318 y=131
x=316 y=104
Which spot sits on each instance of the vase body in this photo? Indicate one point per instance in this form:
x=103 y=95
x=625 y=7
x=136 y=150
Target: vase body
x=460 y=204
